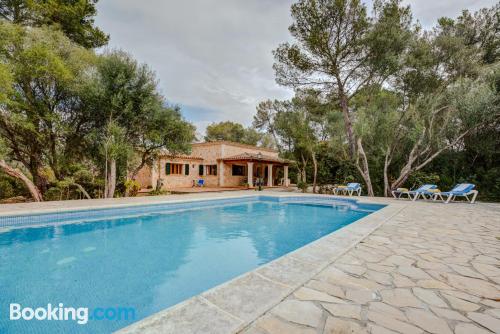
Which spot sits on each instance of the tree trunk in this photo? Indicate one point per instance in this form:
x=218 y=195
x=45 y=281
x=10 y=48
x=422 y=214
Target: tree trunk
x=315 y=169
x=105 y=194
x=136 y=170
x=16 y=173
x=39 y=179
x=364 y=170
x=344 y=106
x=408 y=168
x=111 y=178
x=303 y=174
x=83 y=191
x=401 y=179
x=387 y=162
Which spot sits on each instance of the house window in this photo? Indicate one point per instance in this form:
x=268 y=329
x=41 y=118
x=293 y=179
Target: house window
x=238 y=170
x=174 y=169
x=211 y=169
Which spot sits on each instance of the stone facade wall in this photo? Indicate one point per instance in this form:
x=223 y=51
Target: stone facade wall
x=177 y=181
x=209 y=152
x=144 y=177
x=230 y=150
x=233 y=181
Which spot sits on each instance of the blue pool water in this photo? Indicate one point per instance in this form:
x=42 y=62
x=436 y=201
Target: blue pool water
x=152 y=257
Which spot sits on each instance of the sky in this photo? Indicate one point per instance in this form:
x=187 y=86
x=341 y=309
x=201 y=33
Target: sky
x=214 y=57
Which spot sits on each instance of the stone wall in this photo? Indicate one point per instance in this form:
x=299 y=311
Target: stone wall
x=233 y=181
x=144 y=177
x=210 y=153
x=179 y=181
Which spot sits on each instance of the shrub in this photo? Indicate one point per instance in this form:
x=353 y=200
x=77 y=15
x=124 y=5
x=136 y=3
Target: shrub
x=6 y=189
x=418 y=178
x=132 y=187
x=302 y=186
x=158 y=192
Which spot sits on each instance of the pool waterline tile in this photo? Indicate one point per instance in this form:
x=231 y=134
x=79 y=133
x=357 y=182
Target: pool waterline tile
x=43 y=217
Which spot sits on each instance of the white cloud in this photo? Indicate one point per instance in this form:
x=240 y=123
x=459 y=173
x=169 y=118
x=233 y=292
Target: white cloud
x=428 y=11
x=212 y=54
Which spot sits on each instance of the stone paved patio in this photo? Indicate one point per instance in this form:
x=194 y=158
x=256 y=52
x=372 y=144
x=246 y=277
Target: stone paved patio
x=431 y=268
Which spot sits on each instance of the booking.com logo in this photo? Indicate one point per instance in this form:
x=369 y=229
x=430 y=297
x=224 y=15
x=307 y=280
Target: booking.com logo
x=81 y=315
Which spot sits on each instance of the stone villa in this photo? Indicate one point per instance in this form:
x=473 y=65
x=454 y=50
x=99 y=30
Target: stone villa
x=218 y=164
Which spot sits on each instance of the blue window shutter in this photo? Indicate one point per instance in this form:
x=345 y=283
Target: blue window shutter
x=200 y=170
x=186 y=169
x=167 y=168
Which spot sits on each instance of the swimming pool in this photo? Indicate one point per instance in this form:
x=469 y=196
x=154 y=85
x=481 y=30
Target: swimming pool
x=149 y=258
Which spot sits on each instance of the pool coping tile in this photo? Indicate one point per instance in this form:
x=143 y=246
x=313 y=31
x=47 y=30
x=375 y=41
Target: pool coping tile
x=194 y=315
x=247 y=296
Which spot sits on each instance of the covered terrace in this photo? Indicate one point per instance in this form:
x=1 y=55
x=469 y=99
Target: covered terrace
x=269 y=170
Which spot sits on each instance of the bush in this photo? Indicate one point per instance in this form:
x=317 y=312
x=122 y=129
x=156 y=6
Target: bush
x=82 y=176
x=326 y=189
x=10 y=187
x=6 y=189
x=416 y=179
x=54 y=194
x=132 y=187
x=158 y=192
x=302 y=186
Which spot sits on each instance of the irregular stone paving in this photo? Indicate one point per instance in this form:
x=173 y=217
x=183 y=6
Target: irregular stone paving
x=433 y=268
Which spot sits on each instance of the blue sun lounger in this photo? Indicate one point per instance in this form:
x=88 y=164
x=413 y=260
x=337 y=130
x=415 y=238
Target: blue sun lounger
x=349 y=189
x=415 y=193
x=460 y=190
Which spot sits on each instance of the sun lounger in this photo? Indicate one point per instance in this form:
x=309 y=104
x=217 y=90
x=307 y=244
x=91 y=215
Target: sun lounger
x=400 y=192
x=349 y=189
x=460 y=190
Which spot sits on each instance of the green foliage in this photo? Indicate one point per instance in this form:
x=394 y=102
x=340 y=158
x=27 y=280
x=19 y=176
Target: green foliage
x=82 y=175
x=65 y=109
x=6 y=189
x=132 y=187
x=412 y=96
x=43 y=104
x=158 y=192
x=302 y=186
x=470 y=40
x=5 y=84
x=339 y=48
x=74 y=18
x=114 y=142
x=63 y=190
x=225 y=131
x=123 y=94
x=419 y=178
x=377 y=112
x=10 y=187
x=235 y=132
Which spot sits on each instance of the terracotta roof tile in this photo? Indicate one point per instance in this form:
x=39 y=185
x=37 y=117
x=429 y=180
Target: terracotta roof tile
x=254 y=157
